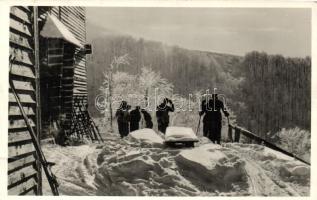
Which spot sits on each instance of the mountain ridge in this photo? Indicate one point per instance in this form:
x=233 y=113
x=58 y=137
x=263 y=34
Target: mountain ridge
x=109 y=32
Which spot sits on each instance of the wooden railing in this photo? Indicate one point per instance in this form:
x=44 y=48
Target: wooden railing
x=235 y=132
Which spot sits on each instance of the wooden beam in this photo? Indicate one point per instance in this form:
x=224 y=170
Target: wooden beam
x=23 y=187
x=38 y=95
x=20 y=27
x=20 y=150
x=20 y=14
x=17 y=163
x=25 y=98
x=20 y=175
x=16 y=137
x=22 y=55
x=23 y=85
x=22 y=70
x=15 y=111
x=19 y=123
x=20 y=40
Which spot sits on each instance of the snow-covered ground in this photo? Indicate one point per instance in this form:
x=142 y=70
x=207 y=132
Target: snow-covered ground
x=141 y=165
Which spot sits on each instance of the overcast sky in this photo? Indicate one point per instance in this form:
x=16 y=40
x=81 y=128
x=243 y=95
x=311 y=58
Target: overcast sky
x=236 y=31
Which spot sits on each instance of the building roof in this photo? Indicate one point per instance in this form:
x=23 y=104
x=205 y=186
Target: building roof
x=54 y=28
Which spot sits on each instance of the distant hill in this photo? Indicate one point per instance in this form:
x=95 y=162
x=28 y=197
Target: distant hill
x=188 y=70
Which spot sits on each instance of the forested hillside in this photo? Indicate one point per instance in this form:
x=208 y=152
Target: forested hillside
x=275 y=92
x=188 y=70
x=265 y=92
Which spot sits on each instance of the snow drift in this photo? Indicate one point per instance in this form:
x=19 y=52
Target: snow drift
x=212 y=170
x=146 y=137
x=141 y=165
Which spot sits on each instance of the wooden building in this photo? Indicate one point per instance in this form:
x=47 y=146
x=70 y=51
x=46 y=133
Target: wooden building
x=48 y=69
x=63 y=69
x=23 y=168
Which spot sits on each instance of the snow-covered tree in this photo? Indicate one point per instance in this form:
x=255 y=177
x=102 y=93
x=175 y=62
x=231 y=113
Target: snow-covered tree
x=150 y=80
x=296 y=141
x=126 y=88
x=107 y=86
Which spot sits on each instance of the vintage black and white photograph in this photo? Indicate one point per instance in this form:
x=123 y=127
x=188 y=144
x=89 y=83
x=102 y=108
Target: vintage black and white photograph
x=159 y=101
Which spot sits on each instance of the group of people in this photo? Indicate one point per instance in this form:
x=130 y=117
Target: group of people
x=211 y=108
x=130 y=120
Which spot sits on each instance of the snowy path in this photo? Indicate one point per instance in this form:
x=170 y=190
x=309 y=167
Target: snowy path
x=262 y=181
x=259 y=182
x=144 y=167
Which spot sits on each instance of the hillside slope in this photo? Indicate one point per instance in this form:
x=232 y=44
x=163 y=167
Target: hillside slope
x=187 y=70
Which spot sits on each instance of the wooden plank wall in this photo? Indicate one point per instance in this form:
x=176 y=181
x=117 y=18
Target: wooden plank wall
x=22 y=165
x=54 y=81
x=74 y=19
x=22 y=161
x=75 y=72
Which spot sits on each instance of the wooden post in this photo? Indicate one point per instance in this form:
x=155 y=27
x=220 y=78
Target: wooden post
x=38 y=97
x=229 y=130
x=110 y=100
x=59 y=13
x=237 y=135
x=230 y=133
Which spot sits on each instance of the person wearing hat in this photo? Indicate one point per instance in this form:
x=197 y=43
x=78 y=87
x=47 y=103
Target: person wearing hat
x=212 y=121
x=162 y=114
x=123 y=118
x=135 y=117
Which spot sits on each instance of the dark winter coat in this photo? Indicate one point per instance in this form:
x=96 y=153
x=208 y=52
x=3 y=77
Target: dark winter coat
x=212 y=110
x=212 y=119
x=135 y=117
x=123 y=118
x=163 y=117
x=148 y=119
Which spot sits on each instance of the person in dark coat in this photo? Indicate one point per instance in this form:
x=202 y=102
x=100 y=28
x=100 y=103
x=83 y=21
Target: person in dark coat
x=162 y=114
x=212 y=121
x=147 y=118
x=135 y=117
x=123 y=118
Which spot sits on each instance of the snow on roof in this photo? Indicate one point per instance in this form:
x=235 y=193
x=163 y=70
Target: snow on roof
x=54 y=28
x=179 y=134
